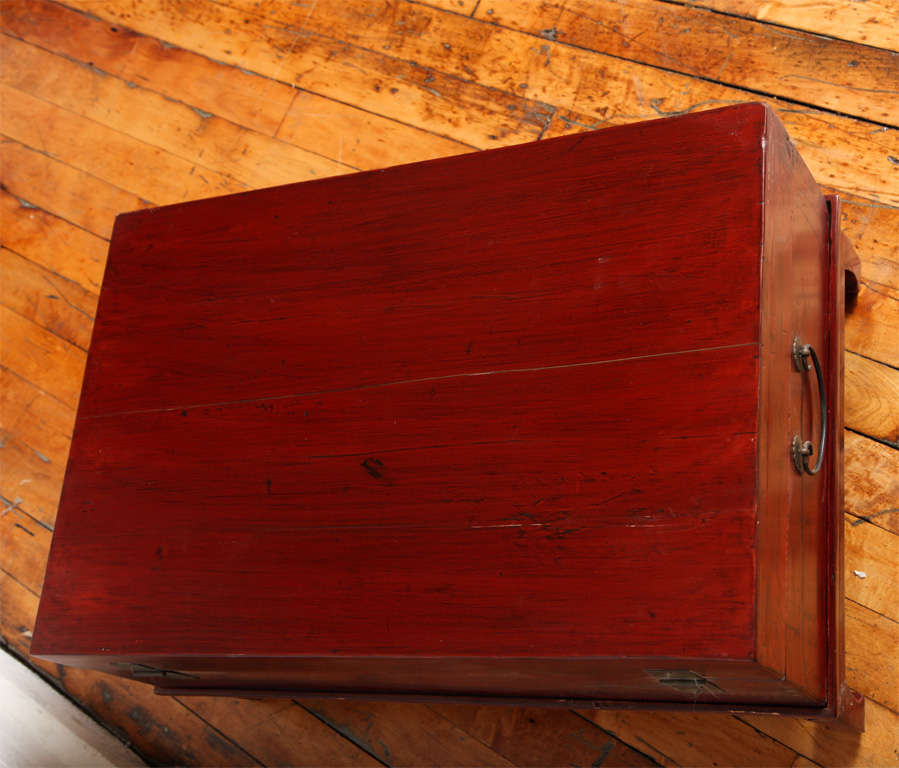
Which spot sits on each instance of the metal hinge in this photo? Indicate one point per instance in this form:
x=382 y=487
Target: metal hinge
x=145 y=670
x=685 y=680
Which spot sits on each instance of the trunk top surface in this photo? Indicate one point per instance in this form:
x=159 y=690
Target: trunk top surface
x=643 y=239
x=504 y=404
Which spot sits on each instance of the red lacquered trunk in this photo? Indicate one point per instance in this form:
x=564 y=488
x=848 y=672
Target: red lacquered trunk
x=511 y=426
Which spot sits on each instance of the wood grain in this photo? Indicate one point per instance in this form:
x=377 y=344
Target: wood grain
x=201 y=139
x=844 y=77
x=542 y=737
x=25 y=544
x=350 y=225
x=389 y=422
x=840 y=153
x=466 y=7
x=695 y=739
x=49 y=362
x=58 y=305
x=376 y=142
x=93 y=146
x=409 y=735
x=272 y=730
x=791 y=574
x=873 y=391
x=848 y=153
x=71 y=194
x=874 y=23
x=305 y=119
x=62 y=249
x=872 y=568
x=869 y=225
x=35 y=418
x=225 y=91
x=36 y=431
x=29 y=483
x=872 y=330
x=836 y=744
x=872 y=657
x=872 y=482
x=839 y=150
x=400 y=88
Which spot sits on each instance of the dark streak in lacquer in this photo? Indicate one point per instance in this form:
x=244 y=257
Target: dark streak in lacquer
x=374 y=467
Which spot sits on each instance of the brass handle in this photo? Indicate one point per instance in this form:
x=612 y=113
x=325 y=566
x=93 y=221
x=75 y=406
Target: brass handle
x=803 y=449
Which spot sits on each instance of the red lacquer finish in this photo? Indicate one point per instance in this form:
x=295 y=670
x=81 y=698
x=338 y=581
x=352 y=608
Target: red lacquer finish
x=511 y=425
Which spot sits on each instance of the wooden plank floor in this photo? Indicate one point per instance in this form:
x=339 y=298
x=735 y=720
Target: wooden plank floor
x=110 y=106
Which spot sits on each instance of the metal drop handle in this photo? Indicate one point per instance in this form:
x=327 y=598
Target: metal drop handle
x=803 y=449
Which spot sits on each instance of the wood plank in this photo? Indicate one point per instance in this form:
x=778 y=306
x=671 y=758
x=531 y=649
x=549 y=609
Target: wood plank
x=674 y=738
x=18 y=607
x=835 y=743
x=28 y=416
x=323 y=126
x=133 y=165
x=399 y=88
x=872 y=568
x=839 y=150
x=35 y=354
x=873 y=22
x=402 y=734
x=871 y=227
x=845 y=77
x=25 y=544
x=73 y=195
x=872 y=330
x=542 y=737
x=821 y=135
x=35 y=425
x=63 y=249
x=56 y=304
x=200 y=141
x=279 y=732
x=35 y=419
x=227 y=91
x=847 y=154
x=159 y=728
x=872 y=653
x=358 y=138
x=28 y=482
x=36 y=432
x=872 y=482
x=872 y=391
x=465 y=7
